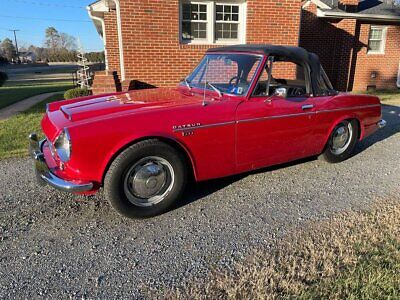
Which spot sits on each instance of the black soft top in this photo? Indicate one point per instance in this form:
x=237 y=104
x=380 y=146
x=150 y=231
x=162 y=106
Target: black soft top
x=295 y=54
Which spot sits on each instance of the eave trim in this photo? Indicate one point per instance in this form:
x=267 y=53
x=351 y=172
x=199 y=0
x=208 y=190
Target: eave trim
x=344 y=15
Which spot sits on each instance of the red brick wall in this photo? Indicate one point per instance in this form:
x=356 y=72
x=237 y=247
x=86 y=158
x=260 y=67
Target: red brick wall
x=385 y=66
x=111 y=35
x=320 y=37
x=342 y=48
x=274 y=22
x=153 y=53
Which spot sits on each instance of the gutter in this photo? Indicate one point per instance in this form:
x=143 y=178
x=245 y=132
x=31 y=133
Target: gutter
x=103 y=36
x=100 y=19
x=358 y=16
x=120 y=43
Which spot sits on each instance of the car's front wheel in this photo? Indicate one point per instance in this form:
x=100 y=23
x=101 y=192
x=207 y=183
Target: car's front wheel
x=146 y=179
x=341 y=142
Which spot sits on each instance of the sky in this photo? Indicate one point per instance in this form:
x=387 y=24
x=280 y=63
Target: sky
x=32 y=17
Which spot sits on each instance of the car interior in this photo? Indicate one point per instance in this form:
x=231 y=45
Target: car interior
x=294 y=84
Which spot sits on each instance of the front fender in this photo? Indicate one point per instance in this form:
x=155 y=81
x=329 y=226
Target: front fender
x=128 y=141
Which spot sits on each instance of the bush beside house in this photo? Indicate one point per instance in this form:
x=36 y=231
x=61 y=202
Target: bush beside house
x=75 y=93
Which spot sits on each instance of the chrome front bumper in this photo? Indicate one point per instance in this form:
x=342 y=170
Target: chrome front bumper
x=45 y=175
x=381 y=124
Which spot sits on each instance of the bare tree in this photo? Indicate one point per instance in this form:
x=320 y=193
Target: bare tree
x=59 y=41
x=52 y=39
x=67 y=41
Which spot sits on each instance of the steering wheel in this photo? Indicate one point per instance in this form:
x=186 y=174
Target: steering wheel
x=238 y=80
x=296 y=92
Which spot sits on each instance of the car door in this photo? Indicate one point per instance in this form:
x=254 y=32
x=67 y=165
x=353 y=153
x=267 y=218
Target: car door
x=274 y=129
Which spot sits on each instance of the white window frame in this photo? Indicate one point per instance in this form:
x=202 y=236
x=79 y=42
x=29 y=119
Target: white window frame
x=207 y=22
x=211 y=21
x=383 y=40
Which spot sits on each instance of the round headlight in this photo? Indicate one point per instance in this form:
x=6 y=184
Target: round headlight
x=63 y=145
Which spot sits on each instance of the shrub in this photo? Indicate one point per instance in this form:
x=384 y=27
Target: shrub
x=3 y=78
x=75 y=93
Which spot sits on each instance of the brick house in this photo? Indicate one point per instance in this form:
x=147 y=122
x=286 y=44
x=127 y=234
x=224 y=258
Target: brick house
x=157 y=42
x=358 y=42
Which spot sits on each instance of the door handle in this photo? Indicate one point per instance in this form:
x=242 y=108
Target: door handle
x=307 y=106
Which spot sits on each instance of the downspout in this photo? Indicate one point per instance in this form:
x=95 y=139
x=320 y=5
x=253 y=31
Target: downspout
x=101 y=20
x=120 y=44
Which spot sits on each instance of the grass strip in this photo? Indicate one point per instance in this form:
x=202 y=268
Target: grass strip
x=12 y=94
x=15 y=130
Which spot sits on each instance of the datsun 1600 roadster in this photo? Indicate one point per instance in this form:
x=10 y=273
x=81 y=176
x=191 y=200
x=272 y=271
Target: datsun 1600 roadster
x=243 y=107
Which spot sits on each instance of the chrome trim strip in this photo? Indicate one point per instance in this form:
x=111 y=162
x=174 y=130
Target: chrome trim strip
x=274 y=117
x=204 y=126
x=347 y=108
x=307 y=113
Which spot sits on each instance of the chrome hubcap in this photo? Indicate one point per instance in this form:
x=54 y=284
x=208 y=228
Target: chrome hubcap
x=341 y=138
x=149 y=181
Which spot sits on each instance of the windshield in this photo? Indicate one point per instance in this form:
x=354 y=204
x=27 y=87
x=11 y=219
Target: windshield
x=227 y=73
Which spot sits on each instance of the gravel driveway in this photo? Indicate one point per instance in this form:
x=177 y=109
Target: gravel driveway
x=51 y=245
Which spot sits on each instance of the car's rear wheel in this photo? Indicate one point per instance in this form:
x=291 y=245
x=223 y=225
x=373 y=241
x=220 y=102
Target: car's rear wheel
x=341 y=142
x=146 y=179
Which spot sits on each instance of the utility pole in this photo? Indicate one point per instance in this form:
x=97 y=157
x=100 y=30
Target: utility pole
x=15 y=39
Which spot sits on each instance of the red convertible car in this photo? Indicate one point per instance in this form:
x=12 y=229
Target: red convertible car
x=242 y=108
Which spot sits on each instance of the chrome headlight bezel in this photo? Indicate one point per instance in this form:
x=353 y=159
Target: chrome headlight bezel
x=62 y=144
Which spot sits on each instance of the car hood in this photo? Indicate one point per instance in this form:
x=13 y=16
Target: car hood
x=141 y=100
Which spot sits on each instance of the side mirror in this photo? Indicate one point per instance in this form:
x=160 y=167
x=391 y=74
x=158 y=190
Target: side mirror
x=280 y=92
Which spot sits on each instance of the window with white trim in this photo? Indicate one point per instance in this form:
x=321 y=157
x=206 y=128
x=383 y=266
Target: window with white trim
x=227 y=21
x=377 y=40
x=194 y=21
x=212 y=22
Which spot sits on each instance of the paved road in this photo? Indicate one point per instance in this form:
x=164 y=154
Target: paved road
x=52 y=246
x=26 y=69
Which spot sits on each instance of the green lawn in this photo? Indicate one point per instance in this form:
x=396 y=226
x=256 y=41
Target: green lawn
x=389 y=97
x=15 y=130
x=386 y=96
x=12 y=94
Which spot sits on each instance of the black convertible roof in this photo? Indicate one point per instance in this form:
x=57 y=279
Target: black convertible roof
x=296 y=54
x=288 y=51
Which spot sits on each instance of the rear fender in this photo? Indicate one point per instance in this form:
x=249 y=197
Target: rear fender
x=350 y=116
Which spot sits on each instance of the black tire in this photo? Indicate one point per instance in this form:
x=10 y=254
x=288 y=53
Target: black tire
x=118 y=187
x=332 y=155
